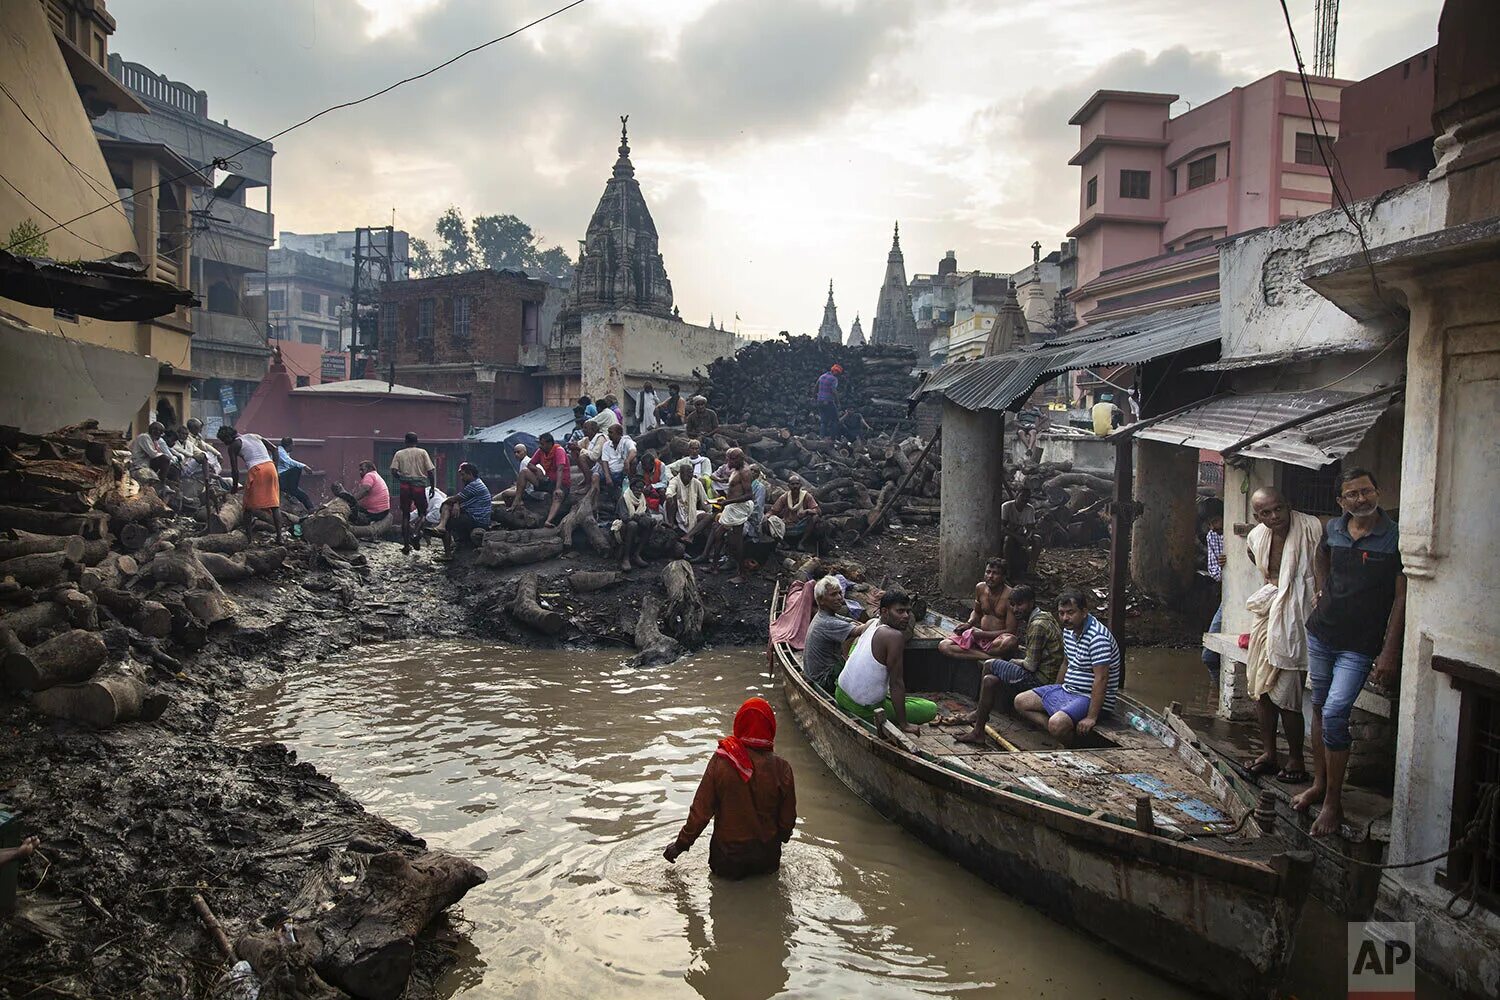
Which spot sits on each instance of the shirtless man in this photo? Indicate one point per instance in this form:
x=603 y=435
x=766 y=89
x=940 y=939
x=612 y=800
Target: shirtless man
x=990 y=631
x=738 y=506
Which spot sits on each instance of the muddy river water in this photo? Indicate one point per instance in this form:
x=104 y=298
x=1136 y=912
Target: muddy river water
x=564 y=774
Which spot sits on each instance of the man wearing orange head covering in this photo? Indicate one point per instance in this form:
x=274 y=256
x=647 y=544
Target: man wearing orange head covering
x=827 y=401
x=748 y=792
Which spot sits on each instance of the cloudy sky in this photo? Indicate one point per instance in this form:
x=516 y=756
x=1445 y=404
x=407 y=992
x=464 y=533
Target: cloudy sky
x=776 y=140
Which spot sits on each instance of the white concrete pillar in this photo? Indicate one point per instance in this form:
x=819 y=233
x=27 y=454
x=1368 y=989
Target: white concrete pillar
x=1164 y=547
x=973 y=490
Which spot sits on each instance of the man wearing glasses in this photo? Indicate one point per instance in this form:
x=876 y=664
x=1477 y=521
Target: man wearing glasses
x=1357 y=625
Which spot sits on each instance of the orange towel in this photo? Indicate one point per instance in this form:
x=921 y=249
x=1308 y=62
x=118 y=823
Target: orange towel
x=262 y=489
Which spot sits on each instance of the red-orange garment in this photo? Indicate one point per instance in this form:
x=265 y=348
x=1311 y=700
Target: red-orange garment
x=752 y=819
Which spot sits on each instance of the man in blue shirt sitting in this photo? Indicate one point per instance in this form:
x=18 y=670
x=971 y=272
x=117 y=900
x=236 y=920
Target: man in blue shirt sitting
x=469 y=508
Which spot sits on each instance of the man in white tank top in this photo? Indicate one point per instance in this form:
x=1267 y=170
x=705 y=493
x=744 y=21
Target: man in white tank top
x=874 y=676
x=262 y=489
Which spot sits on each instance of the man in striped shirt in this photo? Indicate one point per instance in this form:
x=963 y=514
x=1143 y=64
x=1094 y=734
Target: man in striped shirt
x=1091 y=677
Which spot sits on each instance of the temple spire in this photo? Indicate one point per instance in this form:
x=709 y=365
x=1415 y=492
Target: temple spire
x=623 y=167
x=830 y=329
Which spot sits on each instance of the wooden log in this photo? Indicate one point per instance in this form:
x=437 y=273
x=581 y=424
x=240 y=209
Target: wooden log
x=31 y=622
x=521 y=537
x=225 y=543
x=180 y=566
x=214 y=928
x=102 y=703
x=81 y=609
x=41 y=569
x=143 y=506
x=368 y=937
x=64 y=659
x=495 y=556
x=655 y=648
x=208 y=606
x=528 y=610
x=264 y=561
x=153 y=619
x=225 y=569
x=684 y=612
x=133 y=536
x=521 y=519
x=49 y=522
x=329 y=525
x=25 y=543
x=225 y=514
x=581 y=517
x=588 y=581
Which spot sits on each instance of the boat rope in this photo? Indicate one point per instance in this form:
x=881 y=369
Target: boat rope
x=1482 y=831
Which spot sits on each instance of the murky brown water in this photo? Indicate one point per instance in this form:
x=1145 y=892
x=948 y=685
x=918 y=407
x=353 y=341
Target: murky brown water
x=565 y=774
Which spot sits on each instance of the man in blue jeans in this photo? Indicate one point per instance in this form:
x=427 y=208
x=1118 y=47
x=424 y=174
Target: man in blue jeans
x=1358 y=624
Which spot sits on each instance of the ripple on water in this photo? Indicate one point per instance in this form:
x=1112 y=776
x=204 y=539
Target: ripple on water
x=564 y=774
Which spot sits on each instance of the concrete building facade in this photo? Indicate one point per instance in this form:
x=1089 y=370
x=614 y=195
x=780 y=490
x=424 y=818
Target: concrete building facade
x=1385 y=135
x=232 y=224
x=54 y=60
x=339 y=247
x=464 y=335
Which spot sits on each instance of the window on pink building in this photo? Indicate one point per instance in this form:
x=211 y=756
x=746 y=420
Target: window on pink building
x=1307 y=149
x=1135 y=183
x=1201 y=172
x=1092 y=192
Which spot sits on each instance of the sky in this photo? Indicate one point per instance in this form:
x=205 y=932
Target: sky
x=776 y=141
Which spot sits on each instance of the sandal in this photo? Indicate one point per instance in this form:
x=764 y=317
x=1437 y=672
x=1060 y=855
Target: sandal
x=1289 y=777
x=1259 y=766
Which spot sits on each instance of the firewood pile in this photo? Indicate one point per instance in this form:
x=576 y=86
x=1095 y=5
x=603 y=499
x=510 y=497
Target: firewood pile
x=773 y=382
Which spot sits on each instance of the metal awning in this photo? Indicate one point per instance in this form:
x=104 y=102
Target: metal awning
x=1001 y=381
x=1310 y=428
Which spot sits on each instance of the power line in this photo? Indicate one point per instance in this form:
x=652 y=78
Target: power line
x=49 y=215
x=223 y=161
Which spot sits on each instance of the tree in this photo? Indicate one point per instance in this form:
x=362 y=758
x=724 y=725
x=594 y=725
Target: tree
x=504 y=242
x=456 y=253
x=555 y=263
x=26 y=239
x=496 y=242
x=423 y=260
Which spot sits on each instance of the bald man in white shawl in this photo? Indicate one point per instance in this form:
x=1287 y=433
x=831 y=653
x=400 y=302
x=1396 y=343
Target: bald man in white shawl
x=1282 y=546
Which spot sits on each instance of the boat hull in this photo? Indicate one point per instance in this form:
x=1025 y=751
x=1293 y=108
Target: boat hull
x=1214 y=923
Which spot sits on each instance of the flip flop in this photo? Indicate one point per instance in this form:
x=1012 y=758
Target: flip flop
x=1289 y=777
x=1258 y=767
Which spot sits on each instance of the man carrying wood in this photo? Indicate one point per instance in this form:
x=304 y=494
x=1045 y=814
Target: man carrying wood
x=798 y=509
x=414 y=470
x=289 y=474
x=991 y=628
x=262 y=488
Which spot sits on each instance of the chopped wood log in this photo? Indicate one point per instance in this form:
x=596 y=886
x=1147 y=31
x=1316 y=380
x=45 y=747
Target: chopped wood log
x=31 y=622
x=225 y=569
x=68 y=658
x=225 y=514
x=10 y=643
x=42 y=569
x=329 y=525
x=368 y=937
x=496 y=556
x=133 y=536
x=126 y=507
x=214 y=928
x=122 y=603
x=520 y=537
x=528 y=610
x=521 y=519
x=264 y=561
x=25 y=543
x=588 y=581
x=684 y=613
x=102 y=703
x=153 y=619
x=209 y=607
x=180 y=566
x=655 y=648
x=49 y=522
x=581 y=518
x=225 y=543
x=81 y=609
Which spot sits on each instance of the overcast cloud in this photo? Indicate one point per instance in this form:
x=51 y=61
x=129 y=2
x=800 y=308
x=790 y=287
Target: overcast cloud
x=776 y=140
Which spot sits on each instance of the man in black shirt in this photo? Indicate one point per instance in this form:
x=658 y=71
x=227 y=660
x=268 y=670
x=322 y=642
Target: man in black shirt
x=1358 y=624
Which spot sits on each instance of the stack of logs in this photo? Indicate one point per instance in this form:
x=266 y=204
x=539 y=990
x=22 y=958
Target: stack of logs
x=93 y=596
x=773 y=382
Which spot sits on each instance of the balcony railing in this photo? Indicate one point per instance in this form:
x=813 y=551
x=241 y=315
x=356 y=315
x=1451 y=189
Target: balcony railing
x=158 y=87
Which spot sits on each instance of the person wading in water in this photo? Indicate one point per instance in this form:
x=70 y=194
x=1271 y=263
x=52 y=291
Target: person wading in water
x=748 y=791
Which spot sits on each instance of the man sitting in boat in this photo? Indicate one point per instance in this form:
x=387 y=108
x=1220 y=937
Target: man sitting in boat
x=1091 y=679
x=749 y=793
x=829 y=634
x=991 y=628
x=1042 y=658
x=875 y=674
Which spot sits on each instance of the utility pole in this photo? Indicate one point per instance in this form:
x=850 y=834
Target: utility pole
x=370 y=252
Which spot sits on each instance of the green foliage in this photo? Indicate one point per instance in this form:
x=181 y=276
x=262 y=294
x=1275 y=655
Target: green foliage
x=495 y=242
x=26 y=240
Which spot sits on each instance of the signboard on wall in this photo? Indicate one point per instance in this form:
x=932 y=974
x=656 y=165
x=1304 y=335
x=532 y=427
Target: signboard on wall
x=334 y=367
x=226 y=398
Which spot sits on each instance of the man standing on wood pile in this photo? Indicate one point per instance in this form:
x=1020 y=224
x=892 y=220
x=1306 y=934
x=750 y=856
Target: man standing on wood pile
x=991 y=628
x=672 y=411
x=739 y=504
x=262 y=489
x=749 y=793
x=687 y=503
x=1284 y=547
x=1091 y=678
x=414 y=470
x=1358 y=625
x=875 y=674
x=827 y=401
x=1018 y=519
x=289 y=474
x=471 y=507
x=798 y=509
x=1042 y=658
x=701 y=421
x=370 y=503
x=151 y=452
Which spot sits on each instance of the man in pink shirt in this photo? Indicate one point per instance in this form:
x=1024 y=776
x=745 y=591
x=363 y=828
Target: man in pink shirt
x=371 y=498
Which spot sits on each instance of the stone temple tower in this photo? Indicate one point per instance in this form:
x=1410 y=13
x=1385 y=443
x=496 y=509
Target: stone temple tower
x=856 y=333
x=894 y=324
x=830 y=330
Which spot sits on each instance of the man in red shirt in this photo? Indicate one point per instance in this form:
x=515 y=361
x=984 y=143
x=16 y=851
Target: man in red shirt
x=547 y=473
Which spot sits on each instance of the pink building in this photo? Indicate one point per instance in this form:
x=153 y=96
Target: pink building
x=1157 y=193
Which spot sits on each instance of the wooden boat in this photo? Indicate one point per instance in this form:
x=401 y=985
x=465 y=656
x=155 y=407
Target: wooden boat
x=1209 y=899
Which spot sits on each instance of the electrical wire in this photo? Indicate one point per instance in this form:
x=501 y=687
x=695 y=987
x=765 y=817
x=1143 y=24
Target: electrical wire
x=92 y=182
x=223 y=161
x=26 y=198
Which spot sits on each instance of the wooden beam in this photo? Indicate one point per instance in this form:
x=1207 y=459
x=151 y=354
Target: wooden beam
x=1121 y=517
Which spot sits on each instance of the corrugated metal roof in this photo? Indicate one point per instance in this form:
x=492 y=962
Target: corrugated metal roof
x=556 y=419
x=369 y=386
x=1224 y=422
x=996 y=383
